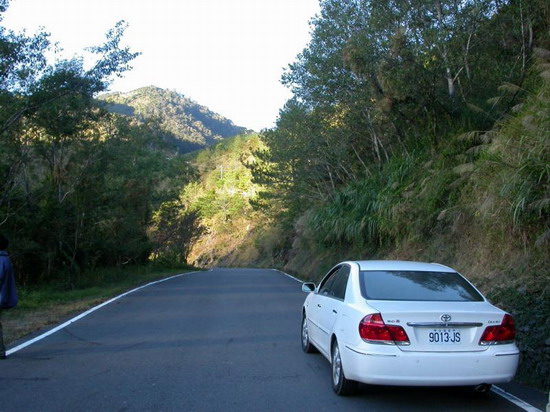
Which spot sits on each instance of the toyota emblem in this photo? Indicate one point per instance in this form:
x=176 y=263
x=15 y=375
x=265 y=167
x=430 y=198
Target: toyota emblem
x=446 y=318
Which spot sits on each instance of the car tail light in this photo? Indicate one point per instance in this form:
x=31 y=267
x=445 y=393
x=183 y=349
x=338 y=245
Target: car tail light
x=499 y=334
x=372 y=329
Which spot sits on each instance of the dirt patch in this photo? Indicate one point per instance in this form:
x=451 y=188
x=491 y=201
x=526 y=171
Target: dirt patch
x=18 y=323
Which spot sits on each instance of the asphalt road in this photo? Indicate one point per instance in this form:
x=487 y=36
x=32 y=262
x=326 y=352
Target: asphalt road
x=223 y=340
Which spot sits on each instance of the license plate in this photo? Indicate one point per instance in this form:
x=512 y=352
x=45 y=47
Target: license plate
x=444 y=337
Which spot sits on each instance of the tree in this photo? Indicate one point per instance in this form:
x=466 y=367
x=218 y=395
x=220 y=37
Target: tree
x=79 y=185
x=56 y=99
x=174 y=230
x=379 y=77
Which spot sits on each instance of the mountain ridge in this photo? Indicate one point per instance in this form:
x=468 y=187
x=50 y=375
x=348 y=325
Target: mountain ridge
x=186 y=124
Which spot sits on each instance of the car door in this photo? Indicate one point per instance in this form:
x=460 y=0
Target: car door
x=329 y=305
x=315 y=305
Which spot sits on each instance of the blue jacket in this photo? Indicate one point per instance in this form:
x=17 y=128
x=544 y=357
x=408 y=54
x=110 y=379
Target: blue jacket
x=8 y=294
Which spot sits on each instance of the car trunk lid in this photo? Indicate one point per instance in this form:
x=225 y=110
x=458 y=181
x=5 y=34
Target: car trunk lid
x=440 y=326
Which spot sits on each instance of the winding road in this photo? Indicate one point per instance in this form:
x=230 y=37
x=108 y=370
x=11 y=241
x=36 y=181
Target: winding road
x=221 y=340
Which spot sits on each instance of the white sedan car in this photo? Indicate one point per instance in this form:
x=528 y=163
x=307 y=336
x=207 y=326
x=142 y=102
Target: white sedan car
x=407 y=324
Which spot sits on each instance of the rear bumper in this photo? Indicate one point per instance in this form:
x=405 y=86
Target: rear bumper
x=390 y=366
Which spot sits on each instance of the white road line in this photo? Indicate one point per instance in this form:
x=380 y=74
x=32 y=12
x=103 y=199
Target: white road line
x=516 y=401
x=290 y=276
x=64 y=325
x=501 y=392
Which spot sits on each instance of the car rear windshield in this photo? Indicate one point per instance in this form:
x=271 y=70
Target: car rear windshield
x=417 y=286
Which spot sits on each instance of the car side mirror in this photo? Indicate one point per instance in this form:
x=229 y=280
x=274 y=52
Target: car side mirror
x=308 y=287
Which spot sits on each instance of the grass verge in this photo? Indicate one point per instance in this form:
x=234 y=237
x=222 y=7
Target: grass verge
x=47 y=305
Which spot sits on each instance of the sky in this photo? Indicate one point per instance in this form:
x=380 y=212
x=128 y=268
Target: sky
x=228 y=55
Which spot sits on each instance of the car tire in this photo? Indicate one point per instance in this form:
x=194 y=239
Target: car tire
x=307 y=346
x=341 y=385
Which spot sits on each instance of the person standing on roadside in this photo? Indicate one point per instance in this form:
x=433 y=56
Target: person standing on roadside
x=8 y=293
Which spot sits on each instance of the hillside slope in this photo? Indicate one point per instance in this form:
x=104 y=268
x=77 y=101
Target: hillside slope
x=214 y=213
x=187 y=124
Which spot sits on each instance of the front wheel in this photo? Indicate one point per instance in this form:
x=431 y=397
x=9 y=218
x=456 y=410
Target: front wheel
x=341 y=385
x=307 y=346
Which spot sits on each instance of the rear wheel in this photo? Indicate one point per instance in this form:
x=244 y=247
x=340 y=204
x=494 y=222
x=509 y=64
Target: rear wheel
x=341 y=385
x=307 y=346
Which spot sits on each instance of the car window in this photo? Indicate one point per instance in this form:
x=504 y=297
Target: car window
x=418 y=286
x=326 y=286
x=341 y=282
x=336 y=283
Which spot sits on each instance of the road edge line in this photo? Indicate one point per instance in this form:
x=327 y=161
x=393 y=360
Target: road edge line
x=515 y=400
x=86 y=313
x=290 y=276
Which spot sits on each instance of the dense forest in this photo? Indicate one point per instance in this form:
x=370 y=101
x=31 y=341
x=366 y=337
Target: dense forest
x=88 y=178
x=417 y=130
x=79 y=185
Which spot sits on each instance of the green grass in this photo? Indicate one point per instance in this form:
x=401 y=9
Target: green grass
x=98 y=284
x=40 y=306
